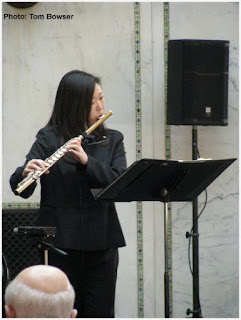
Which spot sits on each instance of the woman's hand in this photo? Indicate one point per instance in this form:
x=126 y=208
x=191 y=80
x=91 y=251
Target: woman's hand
x=75 y=148
x=35 y=165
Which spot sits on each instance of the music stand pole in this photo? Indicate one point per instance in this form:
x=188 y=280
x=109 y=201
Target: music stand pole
x=166 y=274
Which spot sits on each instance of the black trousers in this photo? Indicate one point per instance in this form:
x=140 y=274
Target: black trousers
x=93 y=276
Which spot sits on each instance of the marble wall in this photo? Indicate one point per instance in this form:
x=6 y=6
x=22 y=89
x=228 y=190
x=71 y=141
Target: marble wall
x=100 y=38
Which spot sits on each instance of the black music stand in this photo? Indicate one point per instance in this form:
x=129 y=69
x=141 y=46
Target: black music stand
x=165 y=181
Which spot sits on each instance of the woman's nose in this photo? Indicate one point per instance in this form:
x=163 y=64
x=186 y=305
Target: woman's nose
x=100 y=105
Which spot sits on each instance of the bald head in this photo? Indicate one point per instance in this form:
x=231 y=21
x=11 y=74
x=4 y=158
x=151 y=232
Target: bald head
x=40 y=292
x=43 y=278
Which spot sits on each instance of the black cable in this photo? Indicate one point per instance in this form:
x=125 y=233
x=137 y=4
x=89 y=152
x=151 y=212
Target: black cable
x=189 y=246
x=189 y=258
x=5 y=272
x=204 y=206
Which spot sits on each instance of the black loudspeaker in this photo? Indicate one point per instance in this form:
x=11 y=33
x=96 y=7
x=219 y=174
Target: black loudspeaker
x=19 y=251
x=197 y=92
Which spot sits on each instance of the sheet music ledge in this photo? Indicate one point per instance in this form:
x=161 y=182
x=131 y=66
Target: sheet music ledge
x=145 y=179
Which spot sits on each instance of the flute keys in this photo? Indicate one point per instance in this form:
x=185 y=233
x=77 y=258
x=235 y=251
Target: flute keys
x=49 y=160
x=58 y=155
x=36 y=174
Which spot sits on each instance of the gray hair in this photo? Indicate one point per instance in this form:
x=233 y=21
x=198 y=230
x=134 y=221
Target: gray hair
x=32 y=303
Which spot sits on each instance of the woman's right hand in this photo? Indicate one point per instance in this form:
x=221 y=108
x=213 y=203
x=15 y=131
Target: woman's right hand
x=35 y=165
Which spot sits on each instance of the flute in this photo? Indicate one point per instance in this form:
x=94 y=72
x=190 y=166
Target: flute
x=58 y=154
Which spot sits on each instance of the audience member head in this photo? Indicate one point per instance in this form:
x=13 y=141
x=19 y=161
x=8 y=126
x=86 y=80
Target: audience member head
x=40 y=292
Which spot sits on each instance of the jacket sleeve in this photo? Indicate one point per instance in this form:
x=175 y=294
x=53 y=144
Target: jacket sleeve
x=100 y=174
x=37 y=151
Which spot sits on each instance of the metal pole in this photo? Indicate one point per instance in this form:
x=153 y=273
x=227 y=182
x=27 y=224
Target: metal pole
x=166 y=275
x=195 y=238
x=46 y=257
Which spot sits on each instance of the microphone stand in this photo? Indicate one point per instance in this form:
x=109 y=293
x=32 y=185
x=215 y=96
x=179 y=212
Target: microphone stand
x=43 y=236
x=46 y=246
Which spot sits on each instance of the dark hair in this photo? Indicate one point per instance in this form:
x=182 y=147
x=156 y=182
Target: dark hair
x=73 y=104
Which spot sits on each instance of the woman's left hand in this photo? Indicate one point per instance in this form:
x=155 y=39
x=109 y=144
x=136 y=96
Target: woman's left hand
x=75 y=148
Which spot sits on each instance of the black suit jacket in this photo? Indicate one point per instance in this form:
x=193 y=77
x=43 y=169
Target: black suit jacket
x=66 y=200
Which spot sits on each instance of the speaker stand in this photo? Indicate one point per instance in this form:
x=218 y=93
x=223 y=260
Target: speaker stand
x=196 y=312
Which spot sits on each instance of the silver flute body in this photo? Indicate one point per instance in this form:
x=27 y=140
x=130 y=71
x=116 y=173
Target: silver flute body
x=58 y=154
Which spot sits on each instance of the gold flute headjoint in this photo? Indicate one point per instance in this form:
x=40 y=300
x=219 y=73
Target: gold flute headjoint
x=34 y=175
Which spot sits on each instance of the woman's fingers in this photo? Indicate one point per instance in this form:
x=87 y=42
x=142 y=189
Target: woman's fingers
x=74 y=144
x=76 y=149
x=35 y=165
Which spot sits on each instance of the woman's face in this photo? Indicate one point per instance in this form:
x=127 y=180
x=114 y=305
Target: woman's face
x=98 y=105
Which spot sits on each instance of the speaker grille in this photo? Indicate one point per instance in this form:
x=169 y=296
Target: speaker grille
x=19 y=251
x=205 y=57
x=197 y=82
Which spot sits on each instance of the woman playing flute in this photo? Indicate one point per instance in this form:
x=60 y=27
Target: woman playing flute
x=87 y=230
